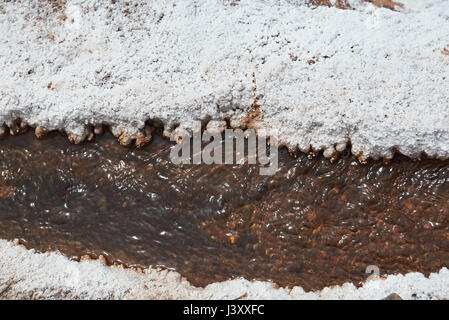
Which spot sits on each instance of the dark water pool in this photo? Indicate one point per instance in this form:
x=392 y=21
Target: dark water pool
x=313 y=224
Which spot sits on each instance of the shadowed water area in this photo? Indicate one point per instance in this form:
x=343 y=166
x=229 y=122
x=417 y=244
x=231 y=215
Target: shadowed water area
x=314 y=223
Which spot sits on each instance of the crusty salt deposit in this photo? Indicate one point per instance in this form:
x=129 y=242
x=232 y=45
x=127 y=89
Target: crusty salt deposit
x=25 y=274
x=373 y=76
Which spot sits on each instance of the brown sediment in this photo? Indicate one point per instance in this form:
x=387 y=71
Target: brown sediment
x=234 y=2
x=7 y=192
x=41 y=132
x=445 y=51
x=386 y=4
x=317 y=3
x=125 y=139
x=254 y=115
x=313 y=224
x=142 y=141
x=3 y=131
x=49 y=9
x=57 y=5
x=343 y=4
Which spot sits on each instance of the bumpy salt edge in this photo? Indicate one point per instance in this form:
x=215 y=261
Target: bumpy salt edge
x=374 y=77
x=25 y=274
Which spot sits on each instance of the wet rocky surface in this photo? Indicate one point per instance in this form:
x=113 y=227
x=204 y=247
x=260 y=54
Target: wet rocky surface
x=314 y=223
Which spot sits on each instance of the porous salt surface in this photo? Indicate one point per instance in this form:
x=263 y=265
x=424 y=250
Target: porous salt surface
x=375 y=77
x=372 y=76
x=25 y=274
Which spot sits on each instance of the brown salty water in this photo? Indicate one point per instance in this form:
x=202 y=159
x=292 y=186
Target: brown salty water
x=314 y=223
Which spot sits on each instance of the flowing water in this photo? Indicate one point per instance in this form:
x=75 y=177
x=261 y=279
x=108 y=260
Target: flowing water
x=314 y=223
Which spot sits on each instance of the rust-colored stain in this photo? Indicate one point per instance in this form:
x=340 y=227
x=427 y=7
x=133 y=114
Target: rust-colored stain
x=445 y=51
x=57 y=5
x=254 y=114
x=7 y=192
x=343 y=4
x=386 y=4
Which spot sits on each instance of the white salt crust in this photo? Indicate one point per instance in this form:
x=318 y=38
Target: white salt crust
x=25 y=274
x=375 y=77
x=372 y=76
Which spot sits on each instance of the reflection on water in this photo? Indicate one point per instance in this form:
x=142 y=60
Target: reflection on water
x=312 y=224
